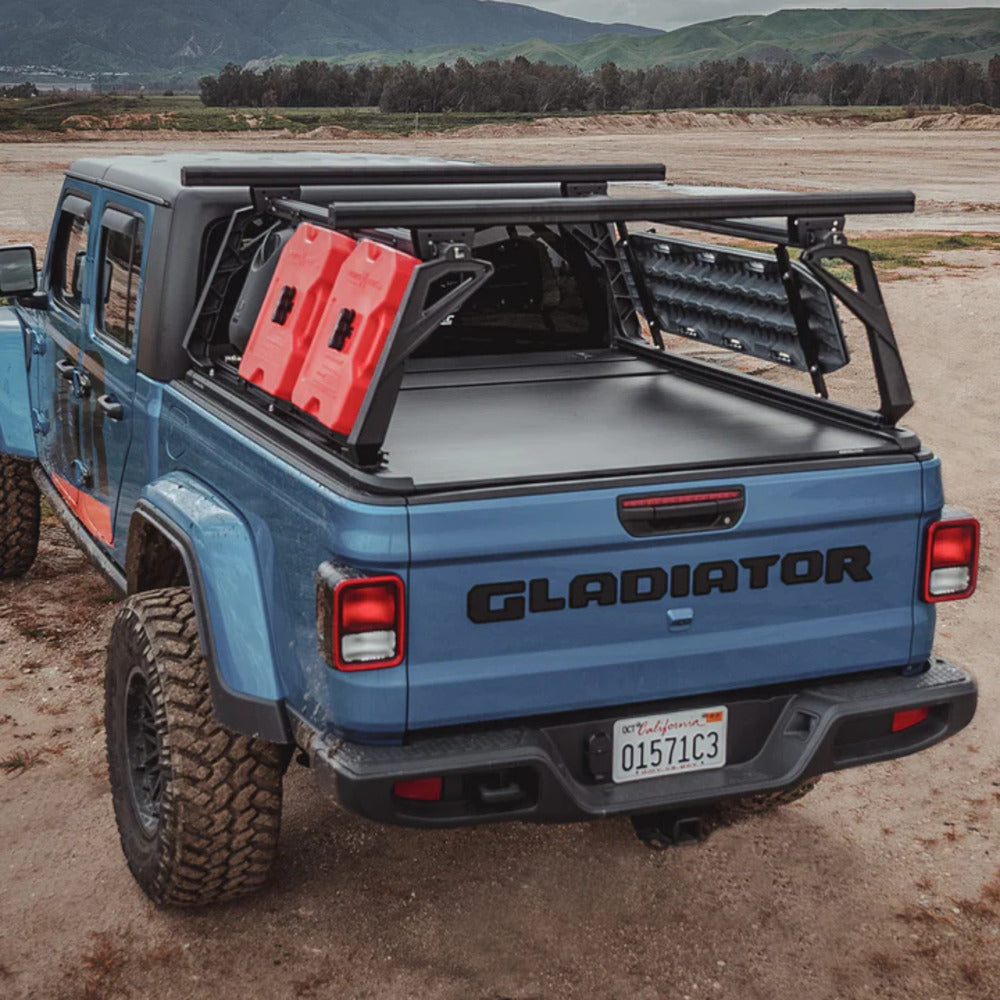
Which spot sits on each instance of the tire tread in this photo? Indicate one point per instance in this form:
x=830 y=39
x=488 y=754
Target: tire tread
x=20 y=517
x=221 y=809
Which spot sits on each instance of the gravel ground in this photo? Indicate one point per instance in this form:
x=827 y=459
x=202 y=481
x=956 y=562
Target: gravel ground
x=885 y=882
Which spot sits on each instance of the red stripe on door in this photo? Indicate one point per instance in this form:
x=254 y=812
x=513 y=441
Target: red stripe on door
x=94 y=515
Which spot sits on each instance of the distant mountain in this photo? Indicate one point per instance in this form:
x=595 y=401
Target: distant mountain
x=883 y=37
x=146 y=36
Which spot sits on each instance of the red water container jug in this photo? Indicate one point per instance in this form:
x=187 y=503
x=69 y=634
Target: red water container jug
x=293 y=307
x=353 y=331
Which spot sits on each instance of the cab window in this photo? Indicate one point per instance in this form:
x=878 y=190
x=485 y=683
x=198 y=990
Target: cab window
x=546 y=294
x=121 y=252
x=69 y=252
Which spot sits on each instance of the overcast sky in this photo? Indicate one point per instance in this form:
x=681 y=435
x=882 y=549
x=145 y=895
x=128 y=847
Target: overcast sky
x=675 y=13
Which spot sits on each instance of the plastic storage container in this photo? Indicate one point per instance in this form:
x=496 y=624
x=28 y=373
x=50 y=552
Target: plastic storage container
x=295 y=302
x=368 y=293
x=255 y=288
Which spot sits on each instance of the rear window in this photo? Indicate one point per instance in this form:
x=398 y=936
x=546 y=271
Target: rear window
x=122 y=241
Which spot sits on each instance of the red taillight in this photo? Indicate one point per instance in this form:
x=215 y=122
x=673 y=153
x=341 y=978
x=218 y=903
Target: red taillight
x=951 y=560
x=368 y=616
x=419 y=790
x=909 y=718
x=367 y=606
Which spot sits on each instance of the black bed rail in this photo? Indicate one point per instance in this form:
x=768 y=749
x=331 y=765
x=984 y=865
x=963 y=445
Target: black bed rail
x=502 y=212
x=431 y=173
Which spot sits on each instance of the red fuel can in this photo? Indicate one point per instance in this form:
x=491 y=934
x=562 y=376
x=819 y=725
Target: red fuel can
x=353 y=331
x=293 y=307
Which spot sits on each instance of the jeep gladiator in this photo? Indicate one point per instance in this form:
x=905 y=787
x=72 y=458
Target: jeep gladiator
x=456 y=485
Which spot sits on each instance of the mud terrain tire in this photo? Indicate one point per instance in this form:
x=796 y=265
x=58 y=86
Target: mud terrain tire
x=20 y=517
x=198 y=807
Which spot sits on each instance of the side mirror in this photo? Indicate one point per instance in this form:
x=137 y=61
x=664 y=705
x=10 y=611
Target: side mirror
x=17 y=270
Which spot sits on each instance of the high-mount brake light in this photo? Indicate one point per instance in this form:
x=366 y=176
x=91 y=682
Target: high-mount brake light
x=951 y=560
x=368 y=623
x=679 y=499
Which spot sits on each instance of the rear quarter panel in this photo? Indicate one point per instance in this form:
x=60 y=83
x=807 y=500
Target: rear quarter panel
x=295 y=523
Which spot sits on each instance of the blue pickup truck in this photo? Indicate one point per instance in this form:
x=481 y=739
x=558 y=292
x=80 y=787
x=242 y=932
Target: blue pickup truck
x=482 y=491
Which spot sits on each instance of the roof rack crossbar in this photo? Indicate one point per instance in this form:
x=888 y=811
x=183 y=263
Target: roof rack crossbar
x=605 y=209
x=444 y=173
x=442 y=192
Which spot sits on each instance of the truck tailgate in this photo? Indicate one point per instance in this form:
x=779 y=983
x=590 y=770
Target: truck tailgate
x=817 y=576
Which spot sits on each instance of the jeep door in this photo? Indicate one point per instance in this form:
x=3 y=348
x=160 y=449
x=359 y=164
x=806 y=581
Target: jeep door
x=108 y=353
x=56 y=333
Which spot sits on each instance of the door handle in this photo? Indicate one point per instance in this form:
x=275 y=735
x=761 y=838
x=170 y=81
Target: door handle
x=81 y=384
x=113 y=410
x=66 y=367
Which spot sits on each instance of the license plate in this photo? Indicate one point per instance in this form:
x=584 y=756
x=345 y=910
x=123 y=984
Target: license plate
x=674 y=743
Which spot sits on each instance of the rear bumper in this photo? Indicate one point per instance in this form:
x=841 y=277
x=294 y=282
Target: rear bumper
x=543 y=773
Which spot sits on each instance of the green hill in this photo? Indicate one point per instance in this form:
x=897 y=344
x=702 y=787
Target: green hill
x=883 y=37
x=144 y=36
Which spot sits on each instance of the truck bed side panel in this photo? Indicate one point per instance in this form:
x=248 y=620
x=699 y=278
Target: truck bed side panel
x=296 y=524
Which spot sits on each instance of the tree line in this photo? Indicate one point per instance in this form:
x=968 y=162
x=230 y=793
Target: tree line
x=521 y=85
x=19 y=90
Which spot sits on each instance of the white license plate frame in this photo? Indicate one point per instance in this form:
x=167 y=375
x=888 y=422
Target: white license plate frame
x=654 y=746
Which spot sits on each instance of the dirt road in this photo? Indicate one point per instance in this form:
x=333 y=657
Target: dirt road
x=883 y=883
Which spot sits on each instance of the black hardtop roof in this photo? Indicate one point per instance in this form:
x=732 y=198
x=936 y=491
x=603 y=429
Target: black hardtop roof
x=158 y=177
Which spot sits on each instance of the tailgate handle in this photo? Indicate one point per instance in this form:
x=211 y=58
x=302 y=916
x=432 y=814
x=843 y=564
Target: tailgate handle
x=666 y=513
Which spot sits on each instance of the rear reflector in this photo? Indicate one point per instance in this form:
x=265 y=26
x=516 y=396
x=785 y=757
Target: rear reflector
x=908 y=719
x=419 y=790
x=952 y=560
x=368 y=616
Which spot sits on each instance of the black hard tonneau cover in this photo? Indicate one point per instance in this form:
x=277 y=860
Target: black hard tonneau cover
x=567 y=417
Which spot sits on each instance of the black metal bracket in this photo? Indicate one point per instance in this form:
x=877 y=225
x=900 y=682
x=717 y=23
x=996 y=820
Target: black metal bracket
x=813 y=231
x=424 y=310
x=601 y=245
x=450 y=243
x=801 y=316
x=570 y=189
x=234 y=254
x=264 y=197
x=867 y=305
x=642 y=292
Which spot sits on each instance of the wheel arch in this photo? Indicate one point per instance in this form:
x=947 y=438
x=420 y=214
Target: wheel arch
x=173 y=547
